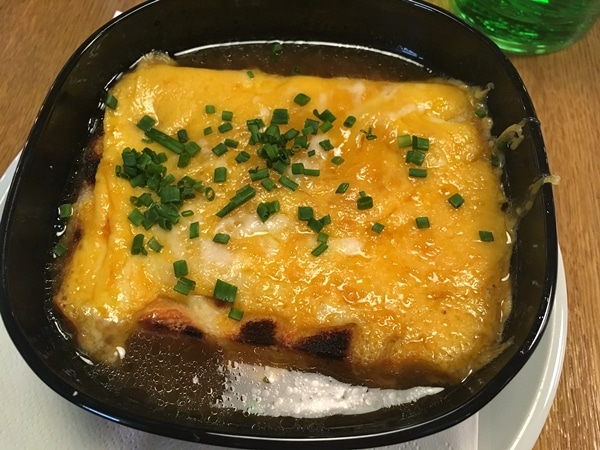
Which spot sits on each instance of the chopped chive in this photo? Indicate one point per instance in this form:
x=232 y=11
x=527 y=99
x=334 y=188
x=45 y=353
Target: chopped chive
x=301 y=99
x=280 y=116
x=184 y=286
x=364 y=202
x=349 y=122
x=417 y=173
x=194 y=230
x=325 y=126
x=404 y=141
x=170 y=194
x=154 y=245
x=224 y=127
x=305 y=212
x=207 y=131
x=250 y=74
x=420 y=143
x=377 y=227
x=415 y=157
x=297 y=168
x=337 y=160
x=288 y=183
x=267 y=209
x=291 y=134
x=182 y=136
x=342 y=188
x=369 y=134
x=325 y=116
x=481 y=113
x=242 y=157
x=183 y=160
x=325 y=220
x=220 y=175
x=301 y=142
x=209 y=194
x=210 y=109
x=319 y=249
x=187 y=213
x=311 y=172
x=191 y=148
x=279 y=167
x=136 y=217
x=486 y=236
x=322 y=237
x=235 y=314
x=224 y=291
x=111 y=101
x=311 y=153
x=268 y=184
x=422 y=222
x=456 y=200
x=326 y=145
x=65 y=211
x=243 y=195
x=277 y=48
x=231 y=143
x=315 y=225
x=59 y=249
x=165 y=140
x=259 y=174
x=227 y=116
x=220 y=149
x=146 y=123
x=221 y=238
x=180 y=268
x=137 y=247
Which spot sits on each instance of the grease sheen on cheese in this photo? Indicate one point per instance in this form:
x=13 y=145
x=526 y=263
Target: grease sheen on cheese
x=436 y=296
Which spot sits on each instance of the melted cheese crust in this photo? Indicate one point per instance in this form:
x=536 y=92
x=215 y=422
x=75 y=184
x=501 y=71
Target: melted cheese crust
x=437 y=295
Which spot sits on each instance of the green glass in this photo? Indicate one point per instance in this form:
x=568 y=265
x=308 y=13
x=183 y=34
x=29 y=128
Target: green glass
x=530 y=26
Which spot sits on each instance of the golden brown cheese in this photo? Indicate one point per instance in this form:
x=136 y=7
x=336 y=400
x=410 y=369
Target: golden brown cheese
x=430 y=300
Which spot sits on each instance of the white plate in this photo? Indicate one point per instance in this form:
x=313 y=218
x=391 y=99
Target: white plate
x=28 y=404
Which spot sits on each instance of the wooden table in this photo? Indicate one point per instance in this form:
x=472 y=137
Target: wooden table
x=37 y=37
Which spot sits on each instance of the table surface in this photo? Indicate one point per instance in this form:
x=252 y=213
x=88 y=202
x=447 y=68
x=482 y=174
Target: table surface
x=38 y=36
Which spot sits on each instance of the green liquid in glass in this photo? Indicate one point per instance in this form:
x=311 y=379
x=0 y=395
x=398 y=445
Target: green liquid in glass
x=530 y=26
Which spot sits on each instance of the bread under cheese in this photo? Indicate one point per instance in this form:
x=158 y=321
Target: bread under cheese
x=393 y=307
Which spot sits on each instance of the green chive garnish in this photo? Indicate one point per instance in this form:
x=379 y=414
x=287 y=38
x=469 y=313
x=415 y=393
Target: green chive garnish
x=227 y=116
x=207 y=131
x=337 y=160
x=210 y=109
x=224 y=127
x=268 y=184
x=404 y=141
x=137 y=247
x=111 y=101
x=486 y=236
x=301 y=99
x=417 y=173
x=305 y=212
x=280 y=116
x=180 y=268
x=146 y=123
x=242 y=157
x=422 y=222
x=420 y=143
x=221 y=238
x=184 y=286
x=319 y=249
x=224 y=291
x=194 y=230
x=326 y=145
x=154 y=245
x=220 y=175
x=220 y=149
x=364 y=202
x=288 y=183
x=59 y=249
x=377 y=227
x=250 y=74
x=235 y=314
x=349 y=122
x=342 y=188
x=65 y=211
x=456 y=200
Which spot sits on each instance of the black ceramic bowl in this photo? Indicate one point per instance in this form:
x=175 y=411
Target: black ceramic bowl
x=417 y=32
